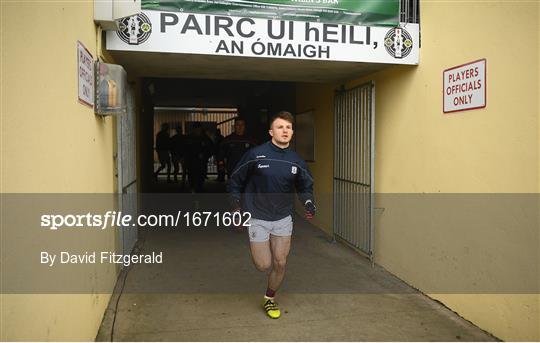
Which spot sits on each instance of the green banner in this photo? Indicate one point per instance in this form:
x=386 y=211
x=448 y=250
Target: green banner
x=353 y=12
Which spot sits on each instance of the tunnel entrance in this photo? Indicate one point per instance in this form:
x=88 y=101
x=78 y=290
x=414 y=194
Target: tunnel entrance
x=213 y=105
x=209 y=105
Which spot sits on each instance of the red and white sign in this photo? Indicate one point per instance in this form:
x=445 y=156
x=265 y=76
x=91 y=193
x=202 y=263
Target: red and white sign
x=464 y=87
x=85 y=72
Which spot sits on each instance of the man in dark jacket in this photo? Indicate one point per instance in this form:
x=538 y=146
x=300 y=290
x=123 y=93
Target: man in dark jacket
x=263 y=184
x=198 y=149
x=234 y=146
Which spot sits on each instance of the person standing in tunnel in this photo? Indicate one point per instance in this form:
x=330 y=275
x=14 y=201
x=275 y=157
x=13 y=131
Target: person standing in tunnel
x=263 y=184
x=163 y=147
x=234 y=146
x=198 y=149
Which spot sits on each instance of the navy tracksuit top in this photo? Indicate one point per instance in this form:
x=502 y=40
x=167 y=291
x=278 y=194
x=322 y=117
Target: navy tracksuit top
x=265 y=180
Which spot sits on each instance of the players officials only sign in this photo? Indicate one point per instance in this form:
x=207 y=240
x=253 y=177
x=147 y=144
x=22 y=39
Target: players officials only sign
x=464 y=87
x=85 y=73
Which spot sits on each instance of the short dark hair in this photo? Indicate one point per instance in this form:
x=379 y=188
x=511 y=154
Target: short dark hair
x=239 y=119
x=285 y=115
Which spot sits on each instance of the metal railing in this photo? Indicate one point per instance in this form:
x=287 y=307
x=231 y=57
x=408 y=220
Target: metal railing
x=353 y=167
x=223 y=119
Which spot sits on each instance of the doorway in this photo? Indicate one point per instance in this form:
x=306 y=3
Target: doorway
x=214 y=104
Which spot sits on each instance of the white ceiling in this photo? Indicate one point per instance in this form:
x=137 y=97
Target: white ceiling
x=149 y=64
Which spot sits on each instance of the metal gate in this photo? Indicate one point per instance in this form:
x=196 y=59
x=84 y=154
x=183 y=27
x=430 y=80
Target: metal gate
x=354 y=138
x=127 y=172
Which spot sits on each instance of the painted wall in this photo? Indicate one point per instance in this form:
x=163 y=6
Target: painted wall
x=456 y=213
x=52 y=144
x=320 y=99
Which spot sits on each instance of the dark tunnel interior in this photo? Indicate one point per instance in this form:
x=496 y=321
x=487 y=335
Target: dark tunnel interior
x=184 y=105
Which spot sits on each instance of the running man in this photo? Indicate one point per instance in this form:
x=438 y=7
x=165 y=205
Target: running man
x=263 y=184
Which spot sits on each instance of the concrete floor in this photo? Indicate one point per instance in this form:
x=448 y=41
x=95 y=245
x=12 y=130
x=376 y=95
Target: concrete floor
x=208 y=290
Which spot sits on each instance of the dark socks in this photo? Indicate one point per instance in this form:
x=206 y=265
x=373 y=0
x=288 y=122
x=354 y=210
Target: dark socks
x=270 y=293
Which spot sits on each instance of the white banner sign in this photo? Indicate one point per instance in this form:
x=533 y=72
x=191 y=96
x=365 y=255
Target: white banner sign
x=465 y=87
x=85 y=72
x=187 y=33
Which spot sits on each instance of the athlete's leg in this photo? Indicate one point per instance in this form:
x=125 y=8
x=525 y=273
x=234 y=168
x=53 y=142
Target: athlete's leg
x=184 y=171
x=176 y=167
x=280 y=247
x=267 y=253
x=160 y=168
x=261 y=255
x=168 y=169
x=164 y=161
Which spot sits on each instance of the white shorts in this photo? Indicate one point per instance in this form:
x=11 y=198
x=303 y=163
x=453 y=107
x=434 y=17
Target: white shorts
x=260 y=230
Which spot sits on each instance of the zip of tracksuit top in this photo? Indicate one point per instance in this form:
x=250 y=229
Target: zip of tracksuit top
x=265 y=180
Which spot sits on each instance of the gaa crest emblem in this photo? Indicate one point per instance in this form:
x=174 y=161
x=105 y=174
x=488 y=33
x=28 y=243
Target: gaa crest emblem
x=398 y=42
x=135 y=30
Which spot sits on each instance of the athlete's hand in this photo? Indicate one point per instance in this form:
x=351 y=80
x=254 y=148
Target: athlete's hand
x=237 y=208
x=310 y=209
